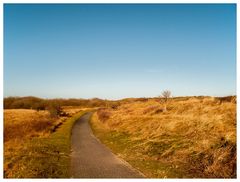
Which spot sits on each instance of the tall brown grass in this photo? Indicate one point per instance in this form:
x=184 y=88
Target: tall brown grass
x=23 y=123
x=19 y=126
x=196 y=136
x=28 y=135
x=37 y=144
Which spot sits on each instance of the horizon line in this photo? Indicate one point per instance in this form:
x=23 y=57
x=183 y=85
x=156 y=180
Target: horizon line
x=119 y=98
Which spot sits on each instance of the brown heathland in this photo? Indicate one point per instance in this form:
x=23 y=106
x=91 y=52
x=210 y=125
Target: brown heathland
x=194 y=137
x=30 y=145
x=24 y=123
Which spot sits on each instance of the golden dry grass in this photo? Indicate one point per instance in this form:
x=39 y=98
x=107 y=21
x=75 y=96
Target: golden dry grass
x=37 y=145
x=20 y=125
x=195 y=137
x=71 y=110
x=24 y=123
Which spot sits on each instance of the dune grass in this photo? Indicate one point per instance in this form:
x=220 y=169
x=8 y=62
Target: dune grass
x=194 y=138
x=26 y=123
x=31 y=150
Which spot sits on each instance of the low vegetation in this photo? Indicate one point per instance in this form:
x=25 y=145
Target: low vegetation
x=194 y=138
x=24 y=123
x=183 y=137
x=37 y=145
x=44 y=104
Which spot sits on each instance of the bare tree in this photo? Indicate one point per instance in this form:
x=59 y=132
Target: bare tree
x=166 y=94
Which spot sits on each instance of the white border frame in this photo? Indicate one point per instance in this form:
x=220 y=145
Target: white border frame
x=114 y=1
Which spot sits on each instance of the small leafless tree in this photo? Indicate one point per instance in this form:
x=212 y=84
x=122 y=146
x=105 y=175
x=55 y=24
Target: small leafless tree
x=166 y=94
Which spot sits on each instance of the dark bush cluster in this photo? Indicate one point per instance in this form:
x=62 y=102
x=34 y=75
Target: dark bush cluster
x=54 y=106
x=221 y=100
x=24 y=103
x=42 y=104
x=103 y=115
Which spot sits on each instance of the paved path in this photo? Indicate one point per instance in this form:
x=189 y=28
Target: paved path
x=91 y=159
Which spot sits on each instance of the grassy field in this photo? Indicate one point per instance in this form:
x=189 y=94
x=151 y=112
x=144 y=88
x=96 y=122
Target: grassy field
x=37 y=145
x=194 y=138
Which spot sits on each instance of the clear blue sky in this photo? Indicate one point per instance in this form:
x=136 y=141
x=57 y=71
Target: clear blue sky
x=117 y=51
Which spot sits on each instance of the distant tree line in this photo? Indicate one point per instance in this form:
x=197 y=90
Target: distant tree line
x=42 y=104
x=36 y=103
x=54 y=106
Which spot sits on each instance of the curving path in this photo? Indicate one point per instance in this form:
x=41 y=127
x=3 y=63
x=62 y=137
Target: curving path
x=91 y=159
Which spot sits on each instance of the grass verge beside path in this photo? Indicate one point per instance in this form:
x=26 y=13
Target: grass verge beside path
x=121 y=144
x=193 y=138
x=45 y=157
